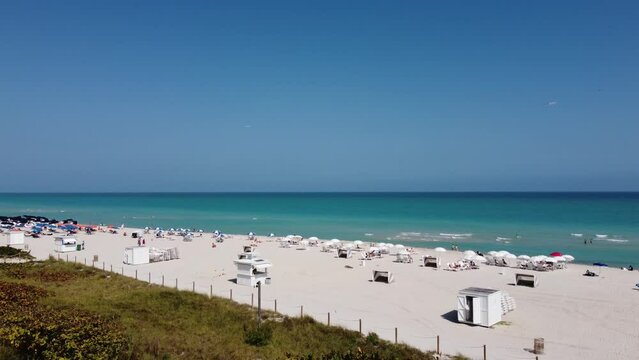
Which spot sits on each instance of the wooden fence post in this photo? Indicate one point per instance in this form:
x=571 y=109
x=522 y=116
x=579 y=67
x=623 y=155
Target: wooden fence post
x=194 y=286
x=484 y=352
x=211 y=291
x=360 y=326
x=275 y=305
x=329 y=319
x=230 y=294
x=301 y=311
x=438 y=345
x=136 y=274
x=395 y=335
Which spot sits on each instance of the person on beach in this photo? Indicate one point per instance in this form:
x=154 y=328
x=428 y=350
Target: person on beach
x=143 y=241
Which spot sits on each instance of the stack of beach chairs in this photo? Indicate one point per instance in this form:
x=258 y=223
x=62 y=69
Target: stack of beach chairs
x=156 y=255
x=507 y=303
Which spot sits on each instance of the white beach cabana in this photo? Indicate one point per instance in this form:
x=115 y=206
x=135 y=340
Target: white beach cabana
x=15 y=239
x=479 y=306
x=344 y=253
x=432 y=261
x=136 y=255
x=66 y=244
x=383 y=276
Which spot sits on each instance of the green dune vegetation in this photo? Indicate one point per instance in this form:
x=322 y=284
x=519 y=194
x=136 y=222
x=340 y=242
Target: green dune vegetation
x=56 y=310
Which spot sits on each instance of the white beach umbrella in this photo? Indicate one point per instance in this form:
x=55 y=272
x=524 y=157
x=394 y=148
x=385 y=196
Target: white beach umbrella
x=469 y=253
x=502 y=253
x=304 y=242
x=510 y=256
x=389 y=245
x=538 y=258
x=551 y=260
x=560 y=258
x=492 y=253
x=479 y=259
x=313 y=238
x=335 y=241
x=469 y=256
x=358 y=242
x=349 y=246
x=289 y=236
x=374 y=248
x=399 y=246
x=523 y=257
x=569 y=258
x=440 y=249
x=381 y=244
x=403 y=252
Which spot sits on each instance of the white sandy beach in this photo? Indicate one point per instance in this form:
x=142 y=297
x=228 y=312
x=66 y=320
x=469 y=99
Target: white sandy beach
x=579 y=317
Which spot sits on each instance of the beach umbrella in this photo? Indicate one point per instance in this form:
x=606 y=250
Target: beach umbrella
x=381 y=244
x=440 y=249
x=358 y=242
x=510 y=256
x=313 y=238
x=569 y=258
x=251 y=234
x=600 y=265
x=559 y=258
x=335 y=241
x=479 y=258
x=469 y=253
x=551 y=259
x=538 y=258
x=399 y=246
x=271 y=234
x=523 y=257
x=373 y=248
x=492 y=253
x=349 y=246
x=389 y=245
x=556 y=253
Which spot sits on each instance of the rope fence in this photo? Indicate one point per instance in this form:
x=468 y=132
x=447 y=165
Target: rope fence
x=295 y=310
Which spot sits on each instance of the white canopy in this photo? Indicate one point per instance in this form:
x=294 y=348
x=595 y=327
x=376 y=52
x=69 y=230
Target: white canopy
x=313 y=238
x=569 y=258
x=469 y=253
x=523 y=257
x=440 y=249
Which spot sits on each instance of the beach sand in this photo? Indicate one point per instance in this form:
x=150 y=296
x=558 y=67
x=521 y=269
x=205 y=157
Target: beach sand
x=579 y=317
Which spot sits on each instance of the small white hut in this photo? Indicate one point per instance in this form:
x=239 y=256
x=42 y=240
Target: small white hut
x=16 y=239
x=479 y=306
x=136 y=255
x=66 y=244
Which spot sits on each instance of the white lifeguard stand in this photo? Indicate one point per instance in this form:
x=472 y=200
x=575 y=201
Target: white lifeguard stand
x=65 y=244
x=252 y=269
x=136 y=255
x=479 y=306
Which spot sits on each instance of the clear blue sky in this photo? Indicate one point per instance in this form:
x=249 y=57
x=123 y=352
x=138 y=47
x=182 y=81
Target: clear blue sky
x=273 y=96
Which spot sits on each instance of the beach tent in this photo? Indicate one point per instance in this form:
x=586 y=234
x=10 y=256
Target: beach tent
x=136 y=255
x=530 y=280
x=383 y=276
x=431 y=261
x=479 y=306
x=344 y=253
x=15 y=239
x=66 y=244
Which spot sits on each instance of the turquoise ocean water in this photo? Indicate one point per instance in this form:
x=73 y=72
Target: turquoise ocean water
x=522 y=223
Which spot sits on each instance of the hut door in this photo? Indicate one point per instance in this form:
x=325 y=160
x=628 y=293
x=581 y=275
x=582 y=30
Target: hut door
x=476 y=310
x=462 y=309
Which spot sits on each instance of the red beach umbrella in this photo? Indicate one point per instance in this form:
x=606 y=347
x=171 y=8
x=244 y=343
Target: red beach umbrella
x=556 y=253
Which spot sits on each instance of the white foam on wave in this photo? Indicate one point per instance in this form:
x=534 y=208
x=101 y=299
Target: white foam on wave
x=368 y=234
x=616 y=240
x=600 y=236
x=456 y=235
x=576 y=235
x=502 y=238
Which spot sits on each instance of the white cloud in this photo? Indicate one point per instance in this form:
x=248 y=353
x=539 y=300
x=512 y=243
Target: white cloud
x=552 y=103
